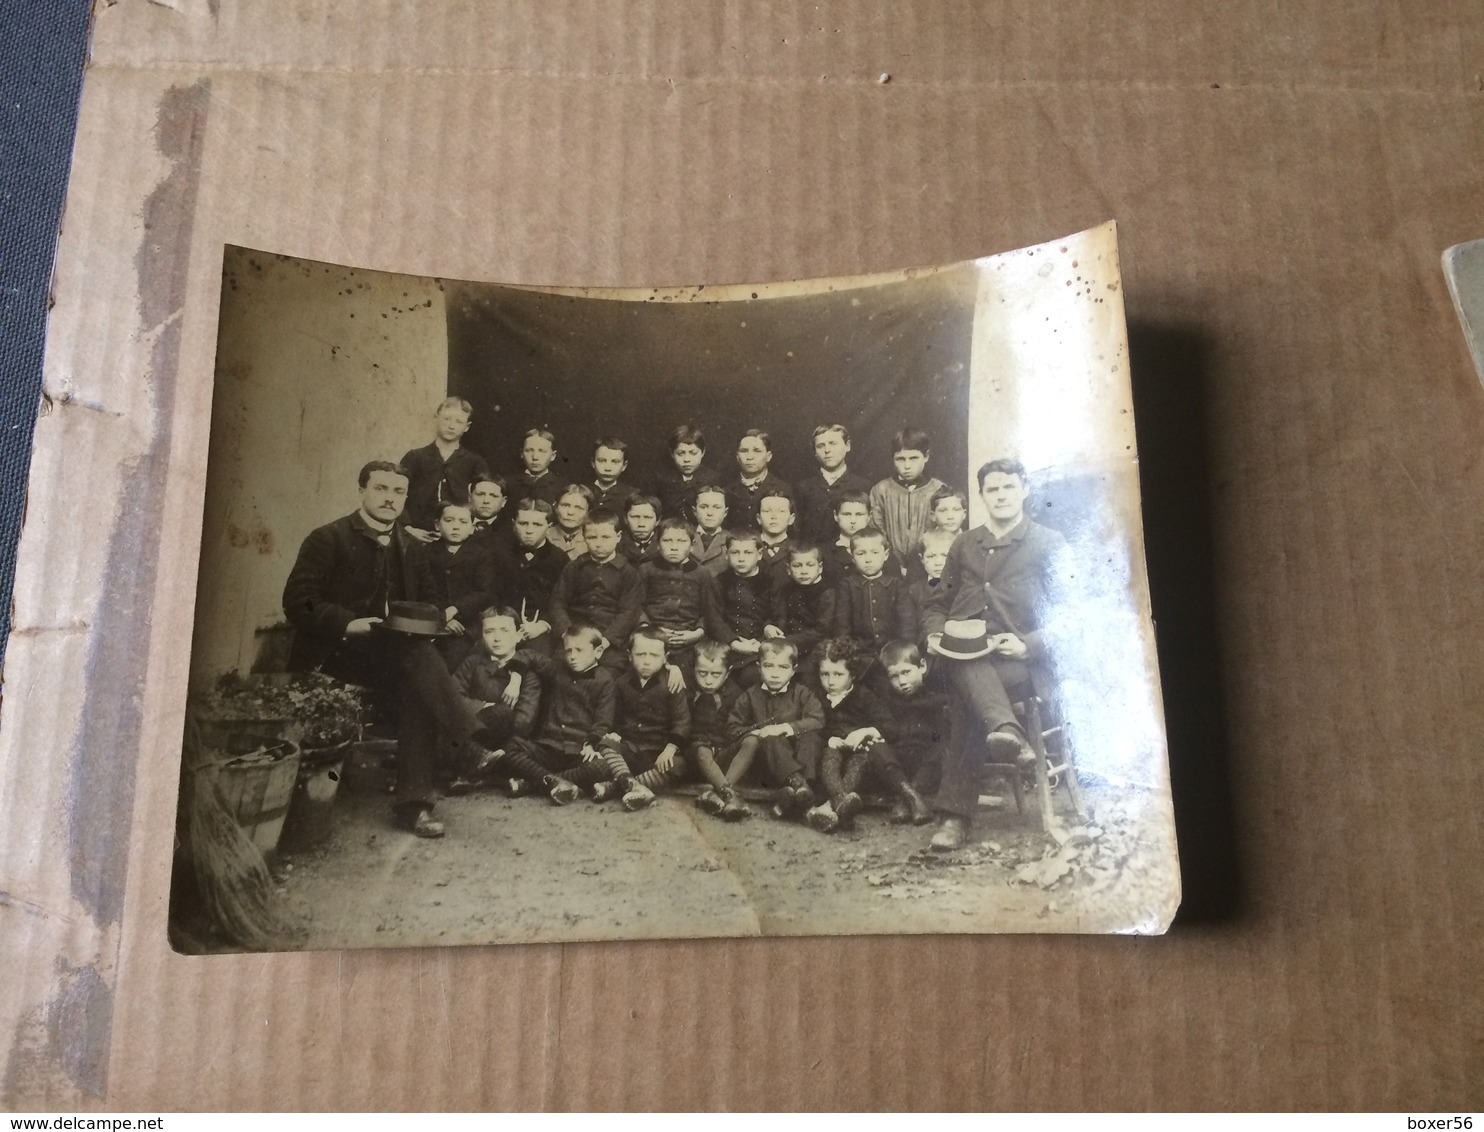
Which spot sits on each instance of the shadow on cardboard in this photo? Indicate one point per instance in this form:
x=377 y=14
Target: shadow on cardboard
x=1171 y=368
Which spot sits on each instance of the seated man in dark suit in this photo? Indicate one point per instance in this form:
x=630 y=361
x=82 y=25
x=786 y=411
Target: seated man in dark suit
x=350 y=574
x=994 y=599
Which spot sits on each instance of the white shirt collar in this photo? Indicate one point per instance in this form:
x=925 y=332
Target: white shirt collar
x=379 y=527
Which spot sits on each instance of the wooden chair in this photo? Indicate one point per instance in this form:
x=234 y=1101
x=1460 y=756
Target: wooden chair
x=1054 y=765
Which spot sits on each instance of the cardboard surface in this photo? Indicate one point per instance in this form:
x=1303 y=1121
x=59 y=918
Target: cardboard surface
x=1308 y=419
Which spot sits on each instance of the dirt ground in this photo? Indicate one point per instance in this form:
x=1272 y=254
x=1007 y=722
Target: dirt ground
x=523 y=870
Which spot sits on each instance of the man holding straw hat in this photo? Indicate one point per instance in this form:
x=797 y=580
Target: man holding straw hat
x=986 y=619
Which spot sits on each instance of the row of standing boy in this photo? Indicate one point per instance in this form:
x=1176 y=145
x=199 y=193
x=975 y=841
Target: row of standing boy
x=632 y=591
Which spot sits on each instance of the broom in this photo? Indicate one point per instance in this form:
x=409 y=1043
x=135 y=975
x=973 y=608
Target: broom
x=232 y=877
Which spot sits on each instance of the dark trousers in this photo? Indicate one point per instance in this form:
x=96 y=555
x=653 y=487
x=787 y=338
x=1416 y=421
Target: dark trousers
x=923 y=765
x=783 y=757
x=841 y=772
x=462 y=759
x=408 y=673
x=981 y=684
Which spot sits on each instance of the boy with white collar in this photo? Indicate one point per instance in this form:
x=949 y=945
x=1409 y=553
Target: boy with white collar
x=783 y=721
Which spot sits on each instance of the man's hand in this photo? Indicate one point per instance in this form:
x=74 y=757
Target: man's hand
x=746 y=644
x=590 y=754
x=862 y=737
x=422 y=535
x=1009 y=645
x=674 y=679
x=666 y=759
x=683 y=637
x=530 y=630
x=771 y=632
x=455 y=626
x=511 y=694
x=361 y=626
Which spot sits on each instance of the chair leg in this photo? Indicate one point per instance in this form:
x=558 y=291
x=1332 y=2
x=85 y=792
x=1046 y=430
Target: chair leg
x=1043 y=770
x=1074 y=788
x=1016 y=789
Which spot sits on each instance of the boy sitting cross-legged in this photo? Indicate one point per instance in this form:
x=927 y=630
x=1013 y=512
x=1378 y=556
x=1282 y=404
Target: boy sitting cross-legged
x=712 y=748
x=682 y=602
x=782 y=721
x=505 y=700
x=651 y=726
x=855 y=746
x=563 y=755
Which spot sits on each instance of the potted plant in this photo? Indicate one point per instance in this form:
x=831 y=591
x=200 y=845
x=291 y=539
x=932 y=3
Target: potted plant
x=317 y=716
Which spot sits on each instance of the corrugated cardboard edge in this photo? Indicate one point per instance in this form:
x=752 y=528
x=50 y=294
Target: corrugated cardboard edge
x=1463 y=267
x=61 y=1031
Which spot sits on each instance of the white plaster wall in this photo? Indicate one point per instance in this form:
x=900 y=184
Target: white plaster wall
x=319 y=369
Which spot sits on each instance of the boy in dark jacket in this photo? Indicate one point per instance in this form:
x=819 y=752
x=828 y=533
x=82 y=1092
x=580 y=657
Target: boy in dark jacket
x=442 y=471
x=527 y=571
x=803 y=603
x=855 y=745
x=746 y=603
x=536 y=480
x=506 y=701
x=462 y=573
x=782 y=721
x=651 y=725
x=711 y=745
x=600 y=588
x=641 y=515
x=563 y=754
x=934 y=556
x=926 y=721
x=873 y=605
x=682 y=601
x=677 y=484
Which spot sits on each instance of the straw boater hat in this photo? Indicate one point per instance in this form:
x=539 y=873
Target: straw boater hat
x=413 y=618
x=963 y=640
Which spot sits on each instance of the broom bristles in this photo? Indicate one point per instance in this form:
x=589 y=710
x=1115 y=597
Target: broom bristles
x=231 y=875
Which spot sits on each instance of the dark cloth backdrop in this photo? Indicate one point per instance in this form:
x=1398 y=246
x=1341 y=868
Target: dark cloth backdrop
x=874 y=359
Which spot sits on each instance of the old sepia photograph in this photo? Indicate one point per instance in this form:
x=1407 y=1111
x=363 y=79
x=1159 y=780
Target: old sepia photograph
x=544 y=614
